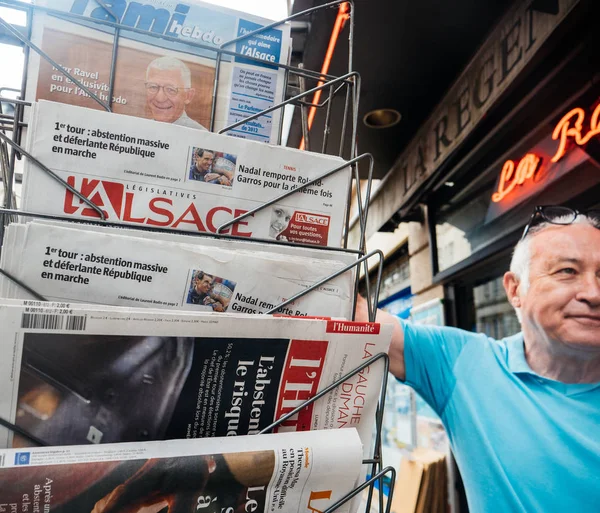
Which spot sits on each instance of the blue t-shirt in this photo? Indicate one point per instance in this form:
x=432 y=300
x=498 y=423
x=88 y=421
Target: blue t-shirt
x=523 y=443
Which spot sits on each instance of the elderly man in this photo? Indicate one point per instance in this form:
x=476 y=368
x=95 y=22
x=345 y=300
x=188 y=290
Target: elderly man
x=169 y=90
x=523 y=413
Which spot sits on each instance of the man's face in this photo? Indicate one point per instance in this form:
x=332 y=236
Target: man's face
x=203 y=286
x=165 y=104
x=563 y=298
x=204 y=161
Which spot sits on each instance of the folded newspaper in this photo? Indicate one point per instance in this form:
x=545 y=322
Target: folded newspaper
x=83 y=374
x=143 y=173
x=68 y=261
x=283 y=473
x=161 y=72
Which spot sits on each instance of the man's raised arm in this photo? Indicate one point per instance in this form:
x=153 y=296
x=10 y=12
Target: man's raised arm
x=396 y=352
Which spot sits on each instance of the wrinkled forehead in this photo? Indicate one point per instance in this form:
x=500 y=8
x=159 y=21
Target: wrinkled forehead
x=558 y=243
x=166 y=76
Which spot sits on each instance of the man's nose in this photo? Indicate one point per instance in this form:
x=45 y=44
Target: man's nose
x=590 y=290
x=161 y=96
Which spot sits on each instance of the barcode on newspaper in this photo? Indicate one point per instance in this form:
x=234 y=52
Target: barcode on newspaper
x=39 y=321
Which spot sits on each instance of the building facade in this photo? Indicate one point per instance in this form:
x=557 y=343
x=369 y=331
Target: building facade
x=520 y=127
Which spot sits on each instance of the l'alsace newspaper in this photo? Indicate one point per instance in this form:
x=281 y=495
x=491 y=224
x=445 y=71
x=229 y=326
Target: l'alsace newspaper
x=83 y=374
x=283 y=473
x=68 y=262
x=168 y=81
x=143 y=173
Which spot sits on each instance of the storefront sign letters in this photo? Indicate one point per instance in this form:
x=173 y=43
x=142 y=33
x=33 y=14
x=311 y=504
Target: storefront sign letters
x=508 y=49
x=569 y=128
x=509 y=178
x=564 y=131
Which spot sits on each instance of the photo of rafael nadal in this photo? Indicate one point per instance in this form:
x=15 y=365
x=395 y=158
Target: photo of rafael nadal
x=202 y=292
x=203 y=168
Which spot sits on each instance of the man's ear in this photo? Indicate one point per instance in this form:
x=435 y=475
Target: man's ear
x=190 y=94
x=511 y=286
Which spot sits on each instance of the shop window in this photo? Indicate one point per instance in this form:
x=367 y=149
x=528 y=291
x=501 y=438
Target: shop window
x=470 y=222
x=462 y=231
x=493 y=313
x=557 y=164
x=395 y=278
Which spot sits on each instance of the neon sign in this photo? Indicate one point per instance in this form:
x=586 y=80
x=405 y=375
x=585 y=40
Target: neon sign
x=509 y=178
x=570 y=127
x=564 y=131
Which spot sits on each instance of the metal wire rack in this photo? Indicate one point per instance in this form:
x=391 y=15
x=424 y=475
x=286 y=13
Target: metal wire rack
x=347 y=86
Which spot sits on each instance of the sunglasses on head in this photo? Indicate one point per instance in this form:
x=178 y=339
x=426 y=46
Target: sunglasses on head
x=559 y=215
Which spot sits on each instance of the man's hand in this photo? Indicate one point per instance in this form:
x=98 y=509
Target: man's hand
x=396 y=351
x=209 y=177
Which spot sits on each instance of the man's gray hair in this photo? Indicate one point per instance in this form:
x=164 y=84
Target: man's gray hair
x=521 y=259
x=169 y=63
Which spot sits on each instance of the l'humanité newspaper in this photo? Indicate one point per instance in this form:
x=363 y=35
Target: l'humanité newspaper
x=147 y=174
x=82 y=374
x=161 y=73
x=288 y=473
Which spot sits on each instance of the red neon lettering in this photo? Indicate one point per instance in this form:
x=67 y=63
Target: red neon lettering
x=563 y=130
x=509 y=178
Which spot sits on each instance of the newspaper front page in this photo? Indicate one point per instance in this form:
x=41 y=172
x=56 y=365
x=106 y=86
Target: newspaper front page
x=209 y=240
x=163 y=176
x=67 y=262
x=81 y=374
x=155 y=78
x=283 y=473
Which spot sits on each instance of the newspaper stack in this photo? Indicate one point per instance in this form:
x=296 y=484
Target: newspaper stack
x=165 y=66
x=84 y=374
x=155 y=175
x=93 y=264
x=290 y=472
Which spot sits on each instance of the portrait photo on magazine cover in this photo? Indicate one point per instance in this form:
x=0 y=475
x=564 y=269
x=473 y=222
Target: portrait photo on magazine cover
x=174 y=88
x=210 y=166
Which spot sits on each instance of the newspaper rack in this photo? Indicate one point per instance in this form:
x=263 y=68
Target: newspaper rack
x=11 y=149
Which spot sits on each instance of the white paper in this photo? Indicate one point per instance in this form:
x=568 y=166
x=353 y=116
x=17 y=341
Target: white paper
x=184 y=74
x=143 y=173
x=288 y=472
x=67 y=262
x=94 y=375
